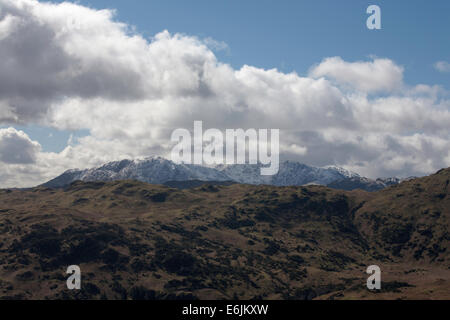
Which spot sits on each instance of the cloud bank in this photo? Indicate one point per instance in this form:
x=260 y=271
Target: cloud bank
x=70 y=67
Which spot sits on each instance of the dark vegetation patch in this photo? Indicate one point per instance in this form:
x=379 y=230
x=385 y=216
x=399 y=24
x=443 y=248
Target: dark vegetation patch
x=397 y=233
x=72 y=245
x=153 y=196
x=335 y=261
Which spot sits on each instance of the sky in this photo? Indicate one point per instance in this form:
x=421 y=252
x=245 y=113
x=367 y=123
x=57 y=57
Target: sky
x=81 y=85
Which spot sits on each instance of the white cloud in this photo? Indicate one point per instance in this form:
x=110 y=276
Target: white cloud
x=71 y=67
x=442 y=66
x=17 y=148
x=379 y=75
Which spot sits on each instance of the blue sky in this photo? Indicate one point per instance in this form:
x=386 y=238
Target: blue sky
x=292 y=35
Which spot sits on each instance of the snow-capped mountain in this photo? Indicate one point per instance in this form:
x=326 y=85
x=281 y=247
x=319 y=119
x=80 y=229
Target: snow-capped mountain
x=158 y=170
x=289 y=174
x=154 y=170
x=344 y=172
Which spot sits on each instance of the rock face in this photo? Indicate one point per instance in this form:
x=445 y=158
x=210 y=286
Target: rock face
x=134 y=240
x=159 y=171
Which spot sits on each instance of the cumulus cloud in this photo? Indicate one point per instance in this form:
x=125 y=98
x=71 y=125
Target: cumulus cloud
x=72 y=67
x=51 y=53
x=442 y=66
x=17 y=148
x=379 y=75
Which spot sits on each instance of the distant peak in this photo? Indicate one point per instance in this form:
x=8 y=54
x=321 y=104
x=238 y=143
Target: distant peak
x=343 y=171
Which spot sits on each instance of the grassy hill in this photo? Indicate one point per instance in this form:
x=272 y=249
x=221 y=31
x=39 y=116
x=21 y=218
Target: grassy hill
x=139 y=241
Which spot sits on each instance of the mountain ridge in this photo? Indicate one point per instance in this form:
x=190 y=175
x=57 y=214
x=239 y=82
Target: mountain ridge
x=158 y=170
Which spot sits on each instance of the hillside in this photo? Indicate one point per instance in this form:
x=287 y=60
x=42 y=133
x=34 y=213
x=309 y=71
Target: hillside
x=134 y=240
